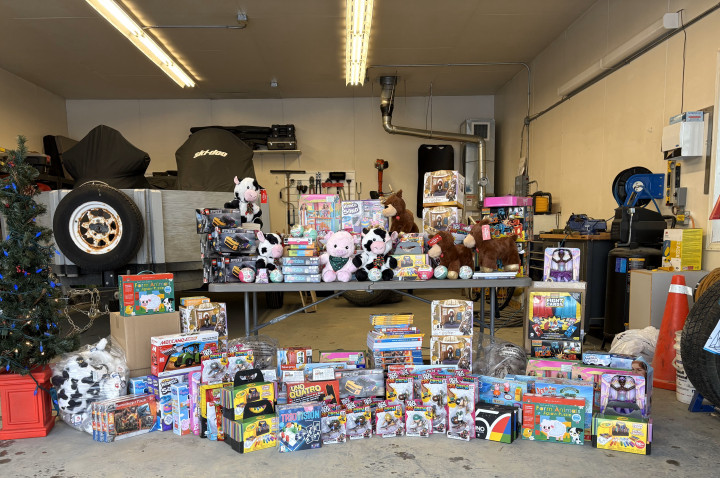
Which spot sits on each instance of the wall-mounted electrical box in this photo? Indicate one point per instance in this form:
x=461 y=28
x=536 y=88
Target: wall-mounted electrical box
x=683 y=137
x=485 y=128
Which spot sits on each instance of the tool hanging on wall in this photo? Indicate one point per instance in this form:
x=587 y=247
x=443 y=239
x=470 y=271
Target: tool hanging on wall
x=311 y=181
x=318 y=182
x=381 y=165
x=286 y=200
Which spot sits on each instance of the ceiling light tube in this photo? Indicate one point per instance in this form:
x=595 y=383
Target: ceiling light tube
x=118 y=18
x=358 y=20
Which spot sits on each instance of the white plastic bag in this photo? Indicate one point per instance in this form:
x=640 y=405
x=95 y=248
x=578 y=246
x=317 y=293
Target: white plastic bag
x=636 y=342
x=264 y=349
x=92 y=373
x=497 y=358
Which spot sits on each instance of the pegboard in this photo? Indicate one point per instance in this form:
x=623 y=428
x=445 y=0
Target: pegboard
x=304 y=180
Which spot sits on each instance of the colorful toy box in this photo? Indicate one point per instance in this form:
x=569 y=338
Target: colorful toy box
x=357 y=215
x=410 y=243
x=631 y=435
x=233 y=241
x=389 y=420
x=562 y=349
x=443 y=188
x=293 y=358
x=496 y=422
x=320 y=212
x=146 y=294
x=558 y=387
x=451 y=350
x=208 y=219
x=553 y=419
x=333 y=422
x=408 y=265
x=501 y=391
x=180 y=400
x=180 y=353
x=322 y=391
x=194 y=391
x=625 y=394
x=550 y=368
x=353 y=358
x=361 y=383
x=161 y=388
x=300 y=261
x=206 y=316
x=461 y=410
x=555 y=313
x=138 y=385
x=259 y=426
x=451 y=317
x=561 y=264
x=594 y=373
x=439 y=218
x=299 y=426
x=607 y=359
x=511 y=220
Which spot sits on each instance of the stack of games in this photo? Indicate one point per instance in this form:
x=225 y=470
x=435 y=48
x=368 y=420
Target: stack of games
x=123 y=417
x=320 y=212
x=394 y=340
x=452 y=331
x=300 y=262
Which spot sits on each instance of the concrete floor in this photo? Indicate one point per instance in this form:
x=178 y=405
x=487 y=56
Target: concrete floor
x=685 y=444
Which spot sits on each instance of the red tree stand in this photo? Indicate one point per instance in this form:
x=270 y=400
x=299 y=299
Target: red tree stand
x=24 y=413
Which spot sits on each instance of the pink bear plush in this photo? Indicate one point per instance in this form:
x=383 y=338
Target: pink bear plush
x=340 y=249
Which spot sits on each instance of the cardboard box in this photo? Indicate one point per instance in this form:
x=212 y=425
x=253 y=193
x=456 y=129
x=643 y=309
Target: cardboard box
x=180 y=353
x=682 y=249
x=320 y=212
x=444 y=188
x=504 y=201
x=451 y=317
x=356 y=215
x=440 y=218
x=146 y=294
x=133 y=335
x=631 y=435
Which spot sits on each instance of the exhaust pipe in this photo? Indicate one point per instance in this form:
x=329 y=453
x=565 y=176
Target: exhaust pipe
x=387 y=99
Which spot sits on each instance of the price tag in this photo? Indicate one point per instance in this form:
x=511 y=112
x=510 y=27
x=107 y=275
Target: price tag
x=486 y=232
x=293 y=376
x=324 y=373
x=434 y=240
x=263 y=196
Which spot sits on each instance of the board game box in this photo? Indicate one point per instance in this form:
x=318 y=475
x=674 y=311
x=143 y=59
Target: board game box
x=299 y=426
x=553 y=419
x=327 y=390
x=558 y=387
x=146 y=294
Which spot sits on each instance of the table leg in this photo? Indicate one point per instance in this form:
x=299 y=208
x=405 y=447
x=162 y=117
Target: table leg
x=246 y=298
x=255 y=316
x=493 y=291
x=482 y=310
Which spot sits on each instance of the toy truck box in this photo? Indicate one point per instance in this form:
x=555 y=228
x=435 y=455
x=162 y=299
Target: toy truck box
x=320 y=212
x=631 y=435
x=358 y=215
x=553 y=419
x=299 y=426
x=208 y=219
x=443 y=188
x=146 y=294
x=439 y=218
x=180 y=353
x=451 y=317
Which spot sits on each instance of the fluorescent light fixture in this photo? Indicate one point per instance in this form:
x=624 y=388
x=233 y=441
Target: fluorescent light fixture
x=118 y=18
x=357 y=28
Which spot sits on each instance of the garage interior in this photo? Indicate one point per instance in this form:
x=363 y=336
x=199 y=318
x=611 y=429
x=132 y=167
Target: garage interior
x=577 y=91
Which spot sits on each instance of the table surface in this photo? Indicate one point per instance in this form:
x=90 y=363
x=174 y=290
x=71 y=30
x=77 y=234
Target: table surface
x=603 y=236
x=369 y=286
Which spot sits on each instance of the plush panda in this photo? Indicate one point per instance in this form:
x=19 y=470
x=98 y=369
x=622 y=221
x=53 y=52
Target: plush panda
x=376 y=245
x=247 y=193
x=269 y=249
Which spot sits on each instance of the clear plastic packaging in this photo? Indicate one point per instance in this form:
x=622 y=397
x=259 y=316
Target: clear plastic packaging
x=93 y=373
x=264 y=349
x=636 y=342
x=497 y=358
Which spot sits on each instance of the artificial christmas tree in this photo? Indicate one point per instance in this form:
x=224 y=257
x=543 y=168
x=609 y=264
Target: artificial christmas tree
x=30 y=334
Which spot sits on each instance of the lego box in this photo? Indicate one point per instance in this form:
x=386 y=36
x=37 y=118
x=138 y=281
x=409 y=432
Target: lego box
x=444 y=188
x=180 y=353
x=682 y=249
x=146 y=294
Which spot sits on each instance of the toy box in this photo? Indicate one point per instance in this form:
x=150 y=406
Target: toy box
x=444 y=188
x=327 y=390
x=129 y=416
x=433 y=393
x=501 y=391
x=171 y=354
x=461 y=410
x=207 y=316
x=259 y=427
x=161 y=389
x=561 y=264
x=553 y=419
x=361 y=383
x=333 y=422
x=389 y=420
x=505 y=201
x=146 y=294
x=359 y=420
x=194 y=391
x=439 y=218
x=398 y=390
x=320 y=212
x=300 y=261
x=682 y=249
x=302 y=278
x=233 y=241
x=451 y=350
x=625 y=394
x=208 y=219
x=358 y=215
x=293 y=358
x=418 y=420
x=318 y=372
x=299 y=426
x=559 y=387
x=138 y=385
x=508 y=221
x=593 y=374
x=555 y=311
x=250 y=392
x=451 y=317
x=555 y=368
x=352 y=358
x=607 y=359
x=286 y=270
x=562 y=349
x=211 y=411
x=222 y=367
x=180 y=400
x=410 y=243
x=631 y=435
x=496 y=422
x=230 y=268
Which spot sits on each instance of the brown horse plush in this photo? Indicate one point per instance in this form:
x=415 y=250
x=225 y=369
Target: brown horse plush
x=491 y=250
x=401 y=218
x=453 y=256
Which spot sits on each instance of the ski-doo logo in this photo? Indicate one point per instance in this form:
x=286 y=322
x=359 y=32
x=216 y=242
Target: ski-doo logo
x=208 y=152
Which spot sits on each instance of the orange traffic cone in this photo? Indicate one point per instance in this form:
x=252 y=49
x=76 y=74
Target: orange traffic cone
x=676 y=311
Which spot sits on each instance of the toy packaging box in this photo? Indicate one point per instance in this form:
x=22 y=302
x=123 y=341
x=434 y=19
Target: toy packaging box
x=443 y=188
x=361 y=383
x=554 y=316
x=293 y=358
x=555 y=368
x=300 y=270
x=327 y=390
x=230 y=269
x=138 y=385
x=161 y=389
x=461 y=410
x=562 y=349
x=300 y=261
x=505 y=201
x=682 y=249
x=451 y=350
x=333 y=422
x=233 y=241
x=607 y=359
x=561 y=264
x=410 y=243
x=124 y=417
x=631 y=435
x=593 y=374
x=260 y=427
x=211 y=411
x=398 y=390
x=353 y=358
x=171 y=354
x=452 y=317
x=299 y=426
x=320 y=212
x=553 y=419
x=418 y=420
x=146 y=294
x=501 y=391
x=206 y=316
x=357 y=215
x=222 y=367
x=496 y=422
x=558 y=387
x=180 y=401
x=625 y=394
x=302 y=278
x=433 y=393
x=359 y=420
x=389 y=420
x=439 y=218
x=511 y=220
x=208 y=219
x=194 y=390
x=249 y=392
x=409 y=265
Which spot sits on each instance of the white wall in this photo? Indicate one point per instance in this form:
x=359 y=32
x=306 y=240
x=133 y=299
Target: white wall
x=28 y=110
x=578 y=148
x=334 y=134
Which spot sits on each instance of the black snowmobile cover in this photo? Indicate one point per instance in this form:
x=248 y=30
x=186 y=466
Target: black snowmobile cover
x=105 y=155
x=211 y=158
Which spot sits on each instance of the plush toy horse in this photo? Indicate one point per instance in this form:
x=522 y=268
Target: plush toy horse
x=492 y=250
x=246 y=198
x=338 y=263
x=401 y=218
x=451 y=255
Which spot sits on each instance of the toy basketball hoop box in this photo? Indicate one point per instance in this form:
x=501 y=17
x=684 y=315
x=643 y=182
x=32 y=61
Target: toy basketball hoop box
x=146 y=294
x=451 y=317
x=180 y=353
x=444 y=188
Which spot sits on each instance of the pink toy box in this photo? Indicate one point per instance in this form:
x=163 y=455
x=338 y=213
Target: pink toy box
x=499 y=201
x=320 y=212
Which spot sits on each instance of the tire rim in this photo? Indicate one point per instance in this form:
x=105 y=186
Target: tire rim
x=95 y=228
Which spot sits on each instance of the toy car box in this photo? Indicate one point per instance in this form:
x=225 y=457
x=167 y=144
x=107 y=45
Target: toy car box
x=358 y=215
x=439 y=218
x=299 y=426
x=232 y=267
x=451 y=317
x=553 y=419
x=496 y=422
x=443 y=188
x=146 y=294
x=631 y=435
x=233 y=241
x=208 y=219
x=180 y=353
x=320 y=212
x=361 y=383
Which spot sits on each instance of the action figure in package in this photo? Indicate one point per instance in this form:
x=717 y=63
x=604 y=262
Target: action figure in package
x=418 y=420
x=332 y=424
x=434 y=394
x=461 y=410
x=389 y=420
x=359 y=420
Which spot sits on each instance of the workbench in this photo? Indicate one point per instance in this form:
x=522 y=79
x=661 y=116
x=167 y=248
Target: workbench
x=338 y=288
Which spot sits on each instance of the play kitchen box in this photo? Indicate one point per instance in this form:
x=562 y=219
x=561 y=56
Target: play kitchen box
x=144 y=294
x=444 y=188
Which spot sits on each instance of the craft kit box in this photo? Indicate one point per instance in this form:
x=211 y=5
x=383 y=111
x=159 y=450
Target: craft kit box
x=553 y=419
x=320 y=212
x=439 y=218
x=146 y=294
x=180 y=353
x=682 y=249
x=133 y=334
x=357 y=215
x=451 y=317
x=444 y=188
x=631 y=435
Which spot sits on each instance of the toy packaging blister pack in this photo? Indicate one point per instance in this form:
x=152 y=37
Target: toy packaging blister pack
x=359 y=420
x=460 y=410
x=222 y=367
x=333 y=424
x=299 y=426
x=358 y=215
x=553 y=419
x=389 y=420
x=631 y=435
x=433 y=393
x=180 y=353
x=561 y=264
x=327 y=390
x=418 y=420
x=451 y=350
x=353 y=358
x=452 y=317
x=559 y=387
x=499 y=423
x=398 y=389
x=361 y=383
x=562 y=349
x=146 y=294
x=501 y=391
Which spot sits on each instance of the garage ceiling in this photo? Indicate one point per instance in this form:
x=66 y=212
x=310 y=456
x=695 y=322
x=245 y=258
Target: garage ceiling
x=64 y=46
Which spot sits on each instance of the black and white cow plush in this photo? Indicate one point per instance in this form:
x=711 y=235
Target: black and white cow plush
x=270 y=249
x=376 y=245
x=247 y=193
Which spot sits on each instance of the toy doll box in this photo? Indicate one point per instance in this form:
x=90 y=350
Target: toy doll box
x=451 y=317
x=444 y=188
x=631 y=435
x=146 y=294
x=625 y=394
x=561 y=264
x=320 y=212
x=299 y=426
x=180 y=353
x=556 y=311
x=439 y=218
x=357 y=215
x=553 y=419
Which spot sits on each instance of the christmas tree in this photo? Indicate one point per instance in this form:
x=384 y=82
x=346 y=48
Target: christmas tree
x=30 y=303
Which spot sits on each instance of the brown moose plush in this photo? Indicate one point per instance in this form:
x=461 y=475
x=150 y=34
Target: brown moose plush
x=401 y=218
x=491 y=250
x=453 y=256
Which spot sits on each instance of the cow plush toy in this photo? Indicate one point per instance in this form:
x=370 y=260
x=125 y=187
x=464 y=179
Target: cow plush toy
x=247 y=194
x=375 y=261
x=270 y=250
x=340 y=249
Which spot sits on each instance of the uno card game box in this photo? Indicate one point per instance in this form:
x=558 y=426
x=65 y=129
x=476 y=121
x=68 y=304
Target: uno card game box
x=299 y=426
x=327 y=390
x=180 y=353
x=496 y=422
x=553 y=419
x=631 y=435
x=451 y=317
x=146 y=294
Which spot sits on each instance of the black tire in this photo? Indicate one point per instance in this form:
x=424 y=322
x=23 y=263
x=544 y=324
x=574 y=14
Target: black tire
x=274 y=300
x=108 y=250
x=701 y=366
x=365 y=299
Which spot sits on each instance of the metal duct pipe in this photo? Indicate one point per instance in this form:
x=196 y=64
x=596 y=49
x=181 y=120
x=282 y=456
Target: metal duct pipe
x=387 y=98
